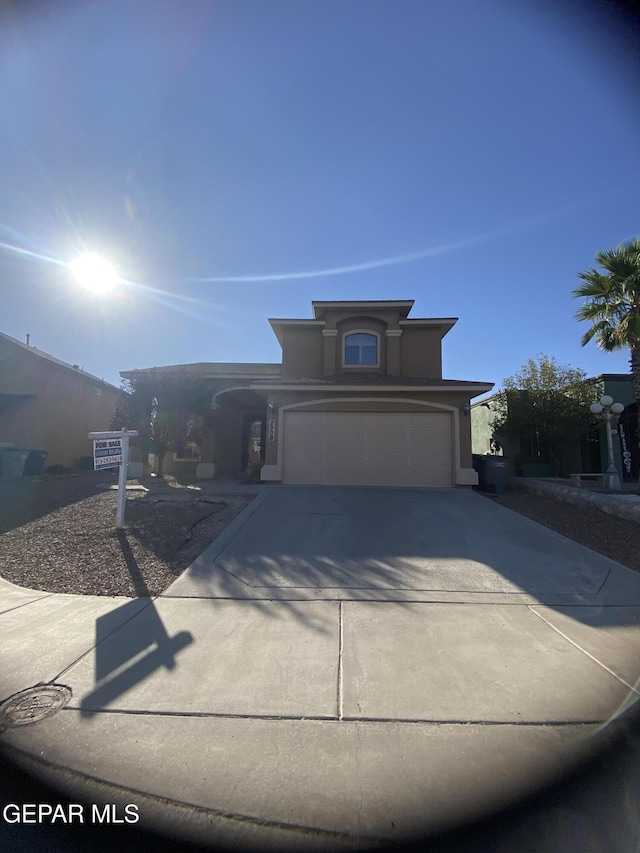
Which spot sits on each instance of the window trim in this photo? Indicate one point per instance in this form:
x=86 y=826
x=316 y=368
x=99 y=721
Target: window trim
x=345 y=335
x=198 y=458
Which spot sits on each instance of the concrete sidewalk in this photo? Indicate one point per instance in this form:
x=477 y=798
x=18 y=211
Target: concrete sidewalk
x=341 y=668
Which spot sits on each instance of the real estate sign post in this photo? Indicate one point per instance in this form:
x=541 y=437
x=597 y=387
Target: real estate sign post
x=111 y=449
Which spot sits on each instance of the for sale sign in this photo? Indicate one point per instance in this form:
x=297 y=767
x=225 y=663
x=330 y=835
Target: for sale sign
x=107 y=453
x=111 y=449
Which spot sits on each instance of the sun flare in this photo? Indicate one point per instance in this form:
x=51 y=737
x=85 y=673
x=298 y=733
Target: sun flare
x=94 y=273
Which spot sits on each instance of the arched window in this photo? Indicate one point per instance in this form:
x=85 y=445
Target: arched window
x=361 y=349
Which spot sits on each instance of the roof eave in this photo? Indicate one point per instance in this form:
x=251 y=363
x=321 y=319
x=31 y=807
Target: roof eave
x=476 y=387
x=444 y=323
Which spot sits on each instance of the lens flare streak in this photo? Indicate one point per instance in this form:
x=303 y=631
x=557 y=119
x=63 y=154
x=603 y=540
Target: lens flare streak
x=27 y=253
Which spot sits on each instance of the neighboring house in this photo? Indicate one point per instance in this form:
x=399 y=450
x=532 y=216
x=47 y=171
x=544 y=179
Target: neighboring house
x=359 y=399
x=47 y=404
x=588 y=455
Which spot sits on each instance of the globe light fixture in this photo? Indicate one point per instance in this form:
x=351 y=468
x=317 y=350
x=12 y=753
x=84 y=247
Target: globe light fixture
x=94 y=273
x=609 y=412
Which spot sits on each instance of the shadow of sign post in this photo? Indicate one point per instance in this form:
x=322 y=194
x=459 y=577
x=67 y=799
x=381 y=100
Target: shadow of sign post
x=130 y=648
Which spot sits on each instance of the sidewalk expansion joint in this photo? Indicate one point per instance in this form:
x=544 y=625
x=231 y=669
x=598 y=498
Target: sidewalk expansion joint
x=604 y=580
x=340 y=663
x=328 y=718
x=585 y=652
x=27 y=603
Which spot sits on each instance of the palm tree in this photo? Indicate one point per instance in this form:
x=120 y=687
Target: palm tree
x=612 y=305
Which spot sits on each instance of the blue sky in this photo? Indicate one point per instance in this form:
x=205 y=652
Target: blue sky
x=481 y=151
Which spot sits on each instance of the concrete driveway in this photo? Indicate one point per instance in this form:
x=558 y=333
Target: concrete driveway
x=342 y=667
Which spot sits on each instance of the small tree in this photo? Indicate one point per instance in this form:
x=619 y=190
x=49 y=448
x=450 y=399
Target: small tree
x=134 y=406
x=166 y=410
x=171 y=429
x=547 y=404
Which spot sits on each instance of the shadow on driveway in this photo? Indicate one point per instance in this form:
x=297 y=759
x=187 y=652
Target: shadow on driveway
x=131 y=655
x=324 y=543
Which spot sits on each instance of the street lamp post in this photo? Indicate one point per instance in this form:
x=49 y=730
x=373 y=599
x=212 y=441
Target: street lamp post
x=606 y=410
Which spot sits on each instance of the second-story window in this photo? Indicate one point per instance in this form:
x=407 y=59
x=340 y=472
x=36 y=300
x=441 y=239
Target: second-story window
x=361 y=349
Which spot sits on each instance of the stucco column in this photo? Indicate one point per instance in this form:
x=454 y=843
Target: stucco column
x=393 y=351
x=329 y=362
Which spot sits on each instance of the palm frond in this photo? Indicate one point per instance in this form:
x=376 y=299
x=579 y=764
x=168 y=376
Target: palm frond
x=595 y=285
x=612 y=297
x=596 y=331
x=629 y=328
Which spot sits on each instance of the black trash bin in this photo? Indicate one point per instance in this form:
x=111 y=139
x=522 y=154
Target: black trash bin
x=480 y=467
x=35 y=463
x=497 y=471
x=493 y=472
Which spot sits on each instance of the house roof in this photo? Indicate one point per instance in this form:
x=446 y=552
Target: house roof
x=351 y=380
x=277 y=324
x=445 y=324
x=78 y=371
x=487 y=400
x=208 y=370
x=601 y=377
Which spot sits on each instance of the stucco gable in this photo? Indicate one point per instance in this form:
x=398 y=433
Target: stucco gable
x=22 y=350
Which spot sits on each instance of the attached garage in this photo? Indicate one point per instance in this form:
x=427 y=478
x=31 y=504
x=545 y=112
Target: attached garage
x=368 y=448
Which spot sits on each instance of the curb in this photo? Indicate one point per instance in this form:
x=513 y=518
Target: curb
x=606 y=503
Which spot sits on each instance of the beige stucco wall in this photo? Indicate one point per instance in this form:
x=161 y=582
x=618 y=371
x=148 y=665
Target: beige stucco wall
x=65 y=410
x=421 y=352
x=334 y=317
x=302 y=351
x=314 y=351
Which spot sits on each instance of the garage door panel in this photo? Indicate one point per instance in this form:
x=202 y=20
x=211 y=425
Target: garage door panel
x=342 y=439
x=388 y=441
x=368 y=449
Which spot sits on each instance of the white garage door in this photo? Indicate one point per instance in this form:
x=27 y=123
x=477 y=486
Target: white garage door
x=368 y=449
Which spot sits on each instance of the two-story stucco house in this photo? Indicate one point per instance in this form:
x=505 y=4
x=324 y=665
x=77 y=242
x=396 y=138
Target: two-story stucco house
x=359 y=399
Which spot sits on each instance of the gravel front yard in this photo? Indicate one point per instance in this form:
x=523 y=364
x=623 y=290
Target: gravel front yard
x=58 y=535
x=614 y=537
x=75 y=547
